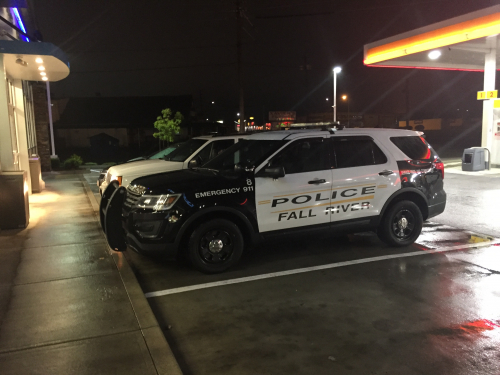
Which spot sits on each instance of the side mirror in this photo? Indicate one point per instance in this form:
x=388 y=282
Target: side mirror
x=273 y=172
x=192 y=163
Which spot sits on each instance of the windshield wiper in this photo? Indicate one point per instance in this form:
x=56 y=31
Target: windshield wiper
x=214 y=171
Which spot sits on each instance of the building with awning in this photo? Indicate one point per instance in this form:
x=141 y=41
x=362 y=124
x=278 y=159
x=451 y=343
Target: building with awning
x=25 y=63
x=467 y=43
x=24 y=60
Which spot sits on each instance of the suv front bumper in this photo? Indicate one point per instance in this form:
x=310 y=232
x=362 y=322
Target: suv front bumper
x=166 y=250
x=151 y=233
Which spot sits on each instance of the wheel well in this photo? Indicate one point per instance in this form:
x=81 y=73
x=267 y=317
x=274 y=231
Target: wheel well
x=415 y=198
x=211 y=216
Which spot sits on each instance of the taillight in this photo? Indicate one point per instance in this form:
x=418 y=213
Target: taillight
x=439 y=166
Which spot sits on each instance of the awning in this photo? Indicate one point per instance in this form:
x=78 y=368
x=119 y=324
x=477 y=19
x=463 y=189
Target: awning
x=30 y=60
x=462 y=43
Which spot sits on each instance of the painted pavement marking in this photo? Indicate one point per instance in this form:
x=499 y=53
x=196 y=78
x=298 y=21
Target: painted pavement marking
x=317 y=268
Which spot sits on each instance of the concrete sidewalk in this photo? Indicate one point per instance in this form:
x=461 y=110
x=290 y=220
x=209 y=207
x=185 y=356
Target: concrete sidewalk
x=68 y=304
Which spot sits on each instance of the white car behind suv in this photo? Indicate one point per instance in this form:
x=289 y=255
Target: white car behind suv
x=192 y=153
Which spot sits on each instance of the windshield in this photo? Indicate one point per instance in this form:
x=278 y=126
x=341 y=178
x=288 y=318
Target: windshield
x=185 y=150
x=164 y=152
x=244 y=154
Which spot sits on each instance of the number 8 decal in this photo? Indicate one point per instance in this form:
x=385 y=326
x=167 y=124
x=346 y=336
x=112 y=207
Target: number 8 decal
x=249 y=181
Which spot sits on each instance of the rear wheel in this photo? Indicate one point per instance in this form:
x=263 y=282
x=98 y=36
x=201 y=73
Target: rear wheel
x=401 y=224
x=215 y=246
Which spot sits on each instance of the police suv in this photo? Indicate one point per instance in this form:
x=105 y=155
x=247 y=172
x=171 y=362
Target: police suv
x=276 y=183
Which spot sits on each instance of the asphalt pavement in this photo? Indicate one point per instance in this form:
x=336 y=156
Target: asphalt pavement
x=473 y=199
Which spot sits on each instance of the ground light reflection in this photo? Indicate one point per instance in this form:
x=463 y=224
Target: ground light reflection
x=465 y=333
x=36 y=204
x=44 y=197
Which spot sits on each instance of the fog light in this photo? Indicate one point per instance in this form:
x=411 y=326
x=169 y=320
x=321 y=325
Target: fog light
x=173 y=219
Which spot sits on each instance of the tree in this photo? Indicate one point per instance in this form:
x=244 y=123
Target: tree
x=167 y=125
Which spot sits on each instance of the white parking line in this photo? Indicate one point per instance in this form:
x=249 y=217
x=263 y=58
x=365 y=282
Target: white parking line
x=316 y=268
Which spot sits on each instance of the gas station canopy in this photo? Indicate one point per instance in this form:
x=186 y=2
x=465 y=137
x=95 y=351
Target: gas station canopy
x=460 y=44
x=34 y=61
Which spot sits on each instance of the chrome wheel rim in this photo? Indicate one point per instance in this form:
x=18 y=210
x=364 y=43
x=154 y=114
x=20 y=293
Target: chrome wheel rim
x=216 y=246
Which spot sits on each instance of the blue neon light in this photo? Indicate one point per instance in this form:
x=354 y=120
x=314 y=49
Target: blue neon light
x=20 y=23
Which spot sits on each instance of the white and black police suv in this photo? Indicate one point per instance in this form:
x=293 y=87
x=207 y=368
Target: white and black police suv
x=276 y=183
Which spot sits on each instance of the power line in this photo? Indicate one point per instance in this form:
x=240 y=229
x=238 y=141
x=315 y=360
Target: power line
x=149 y=69
x=324 y=13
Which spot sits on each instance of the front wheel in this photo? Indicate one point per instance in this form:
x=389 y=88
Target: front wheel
x=215 y=246
x=401 y=224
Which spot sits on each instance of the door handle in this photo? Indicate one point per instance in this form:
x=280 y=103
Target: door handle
x=386 y=173
x=317 y=182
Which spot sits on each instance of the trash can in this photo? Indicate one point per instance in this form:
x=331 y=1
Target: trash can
x=37 y=184
x=14 y=201
x=473 y=159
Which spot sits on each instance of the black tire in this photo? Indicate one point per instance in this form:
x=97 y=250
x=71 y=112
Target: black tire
x=215 y=246
x=401 y=224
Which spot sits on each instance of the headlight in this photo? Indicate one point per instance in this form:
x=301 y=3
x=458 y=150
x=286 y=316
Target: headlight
x=158 y=202
x=117 y=178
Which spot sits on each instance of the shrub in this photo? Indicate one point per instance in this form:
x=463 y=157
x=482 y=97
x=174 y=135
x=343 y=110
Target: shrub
x=73 y=162
x=90 y=163
x=55 y=163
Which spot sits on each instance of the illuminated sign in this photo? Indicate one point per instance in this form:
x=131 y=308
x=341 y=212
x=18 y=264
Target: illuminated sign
x=282 y=116
x=481 y=95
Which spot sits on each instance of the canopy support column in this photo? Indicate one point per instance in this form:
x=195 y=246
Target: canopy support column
x=487 y=134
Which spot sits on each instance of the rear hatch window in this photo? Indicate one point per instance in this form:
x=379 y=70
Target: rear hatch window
x=415 y=147
x=421 y=155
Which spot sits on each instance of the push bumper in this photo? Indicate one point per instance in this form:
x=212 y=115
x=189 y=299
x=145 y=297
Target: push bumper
x=166 y=250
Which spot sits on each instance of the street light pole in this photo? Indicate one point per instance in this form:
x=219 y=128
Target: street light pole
x=336 y=70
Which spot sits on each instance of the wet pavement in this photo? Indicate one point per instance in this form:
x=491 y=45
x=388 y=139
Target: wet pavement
x=473 y=200
x=344 y=305
x=67 y=304
x=354 y=307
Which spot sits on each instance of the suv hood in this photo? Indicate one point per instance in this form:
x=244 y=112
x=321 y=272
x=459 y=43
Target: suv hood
x=184 y=181
x=145 y=167
x=130 y=171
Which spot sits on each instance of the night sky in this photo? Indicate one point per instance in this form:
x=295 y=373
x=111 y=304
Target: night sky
x=176 y=47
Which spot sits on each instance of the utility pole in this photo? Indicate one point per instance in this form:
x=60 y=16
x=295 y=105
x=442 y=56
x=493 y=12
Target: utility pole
x=238 y=52
x=407 y=101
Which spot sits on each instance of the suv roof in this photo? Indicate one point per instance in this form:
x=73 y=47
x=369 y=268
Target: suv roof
x=292 y=134
x=225 y=136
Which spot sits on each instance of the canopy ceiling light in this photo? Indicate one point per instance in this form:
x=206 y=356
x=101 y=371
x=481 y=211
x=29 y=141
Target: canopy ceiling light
x=433 y=55
x=22 y=60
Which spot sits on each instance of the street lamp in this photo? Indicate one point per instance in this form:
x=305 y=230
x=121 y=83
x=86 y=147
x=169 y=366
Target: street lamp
x=344 y=97
x=336 y=71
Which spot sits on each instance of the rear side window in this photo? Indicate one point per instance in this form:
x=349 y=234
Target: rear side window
x=356 y=152
x=415 y=147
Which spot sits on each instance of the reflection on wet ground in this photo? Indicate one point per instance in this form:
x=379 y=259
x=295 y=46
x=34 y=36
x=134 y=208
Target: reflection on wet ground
x=435 y=236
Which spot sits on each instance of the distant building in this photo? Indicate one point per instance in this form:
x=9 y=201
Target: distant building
x=128 y=119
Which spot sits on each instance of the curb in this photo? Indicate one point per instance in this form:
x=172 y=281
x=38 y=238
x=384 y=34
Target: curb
x=159 y=350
